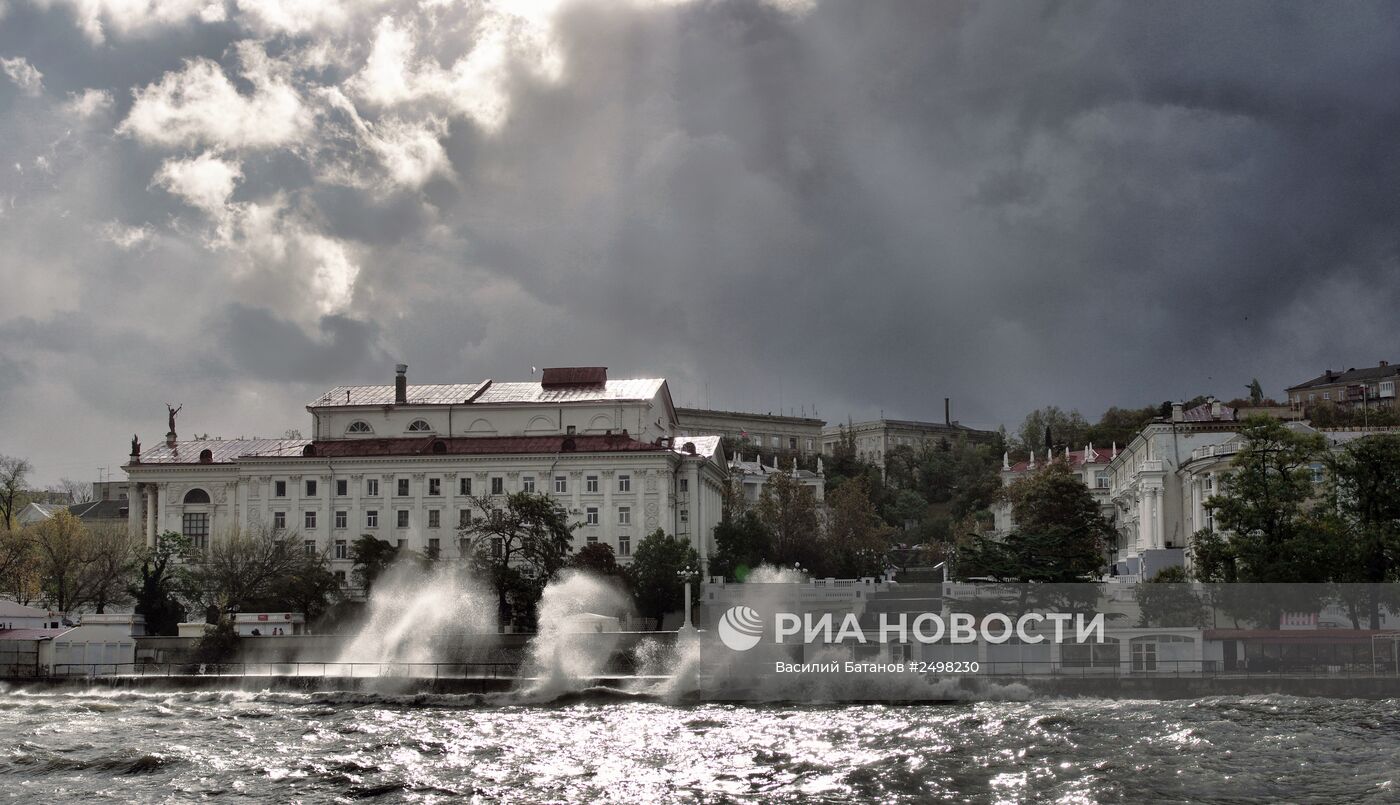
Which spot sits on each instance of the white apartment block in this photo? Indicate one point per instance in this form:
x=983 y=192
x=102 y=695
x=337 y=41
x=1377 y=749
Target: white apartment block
x=1089 y=465
x=401 y=463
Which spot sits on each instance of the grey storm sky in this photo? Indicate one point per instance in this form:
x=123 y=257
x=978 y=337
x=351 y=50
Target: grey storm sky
x=862 y=206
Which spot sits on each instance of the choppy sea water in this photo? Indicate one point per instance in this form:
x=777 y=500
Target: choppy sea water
x=105 y=745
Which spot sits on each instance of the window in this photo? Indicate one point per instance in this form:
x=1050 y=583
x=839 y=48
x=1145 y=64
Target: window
x=1101 y=479
x=497 y=548
x=434 y=548
x=340 y=578
x=279 y=489
x=1326 y=395
x=464 y=518
x=371 y=518
x=528 y=483
x=591 y=517
x=309 y=518
x=279 y=521
x=1144 y=656
x=359 y=426
x=776 y=441
x=434 y=487
x=464 y=486
x=403 y=488
x=571 y=430
x=624 y=545
x=809 y=445
x=342 y=519
x=196 y=496
x=434 y=518
x=371 y=487
x=419 y=426
x=685 y=484
x=342 y=549
x=311 y=489
x=561 y=485
x=402 y=515
x=342 y=488
x=308 y=547
x=401 y=544
x=792 y=442
x=624 y=515
x=685 y=515
x=624 y=483
x=592 y=540
x=1386 y=388
x=196 y=529
x=1316 y=472
x=498 y=486
x=590 y=484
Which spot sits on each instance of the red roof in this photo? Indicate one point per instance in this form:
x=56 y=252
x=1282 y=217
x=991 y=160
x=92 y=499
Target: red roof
x=478 y=445
x=1076 y=459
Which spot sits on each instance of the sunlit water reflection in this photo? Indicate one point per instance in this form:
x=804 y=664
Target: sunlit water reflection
x=123 y=746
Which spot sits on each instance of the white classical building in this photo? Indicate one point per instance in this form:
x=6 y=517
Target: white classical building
x=401 y=463
x=1147 y=490
x=750 y=476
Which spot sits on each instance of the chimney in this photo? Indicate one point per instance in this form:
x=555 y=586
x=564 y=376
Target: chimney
x=1178 y=412
x=1384 y=364
x=401 y=384
x=1214 y=408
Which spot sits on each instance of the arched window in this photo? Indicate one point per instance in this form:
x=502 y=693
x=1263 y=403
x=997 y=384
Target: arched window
x=419 y=426
x=196 y=496
x=206 y=456
x=359 y=426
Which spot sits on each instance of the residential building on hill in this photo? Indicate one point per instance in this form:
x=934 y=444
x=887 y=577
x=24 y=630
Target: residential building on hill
x=766 y=432
x=874 y=439
x=750 y=476
x=402 y=463
x=1369 y=387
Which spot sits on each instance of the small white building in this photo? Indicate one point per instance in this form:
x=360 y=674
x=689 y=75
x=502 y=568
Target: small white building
x=99 y=644
x=19 y=616
x=750 y=476
x=269 y=624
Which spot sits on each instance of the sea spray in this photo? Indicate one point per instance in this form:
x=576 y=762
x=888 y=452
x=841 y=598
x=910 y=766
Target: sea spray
x=424 y=616
x=576 y=635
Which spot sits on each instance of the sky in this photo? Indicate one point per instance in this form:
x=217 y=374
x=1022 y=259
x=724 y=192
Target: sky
x=847 y=208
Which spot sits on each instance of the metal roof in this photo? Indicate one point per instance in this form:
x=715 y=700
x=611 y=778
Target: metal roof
x=534 y=392
x=440 y=394
x=222 y=451
x=32 y=634
x=1350 y=376
x=489 y=393
x=481 y=445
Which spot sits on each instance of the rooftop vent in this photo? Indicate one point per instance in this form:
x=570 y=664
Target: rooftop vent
x=567 y=376
x=401 y=384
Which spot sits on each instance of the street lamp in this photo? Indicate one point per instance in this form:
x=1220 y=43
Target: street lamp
x=687 y=629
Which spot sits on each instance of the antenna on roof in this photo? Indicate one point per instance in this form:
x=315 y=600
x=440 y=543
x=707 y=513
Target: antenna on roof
x=534 y=370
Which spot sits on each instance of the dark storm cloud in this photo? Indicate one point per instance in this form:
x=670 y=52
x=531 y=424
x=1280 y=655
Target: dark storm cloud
x=861 y=206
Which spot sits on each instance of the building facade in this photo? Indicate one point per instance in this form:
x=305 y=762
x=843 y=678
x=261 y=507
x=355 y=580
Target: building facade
x=765 y=432
x=750 y=476
x=1089 y=465
x=405 y=463
x=874 y=439
x=1147 y=491
x=1354 y=388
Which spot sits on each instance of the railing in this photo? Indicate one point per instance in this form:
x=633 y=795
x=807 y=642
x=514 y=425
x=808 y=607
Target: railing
x=406 y=670
x=1149 y=669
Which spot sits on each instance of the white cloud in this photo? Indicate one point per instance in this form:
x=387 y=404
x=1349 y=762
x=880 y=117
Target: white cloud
x=24 y=75
x=200 y=105
x=89 y=103
x=126 y=237
x=136 y=17
x=296 y=16
x=205 y=182
x=411 y=153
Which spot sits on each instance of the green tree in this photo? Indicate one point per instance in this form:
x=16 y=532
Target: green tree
x=371 y=556
x=1066 y=428
x=1263 y=514
x=788 y=509
x=1363 y=512
x=66 y=557
x=517 y=547
x=161 y=581
x=308 y=586
x=742 y=543
x=596 y=558
x=240 y=568
x=857 y=541
x=1060 y=533
x=661 y=564
x=1168 y=599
